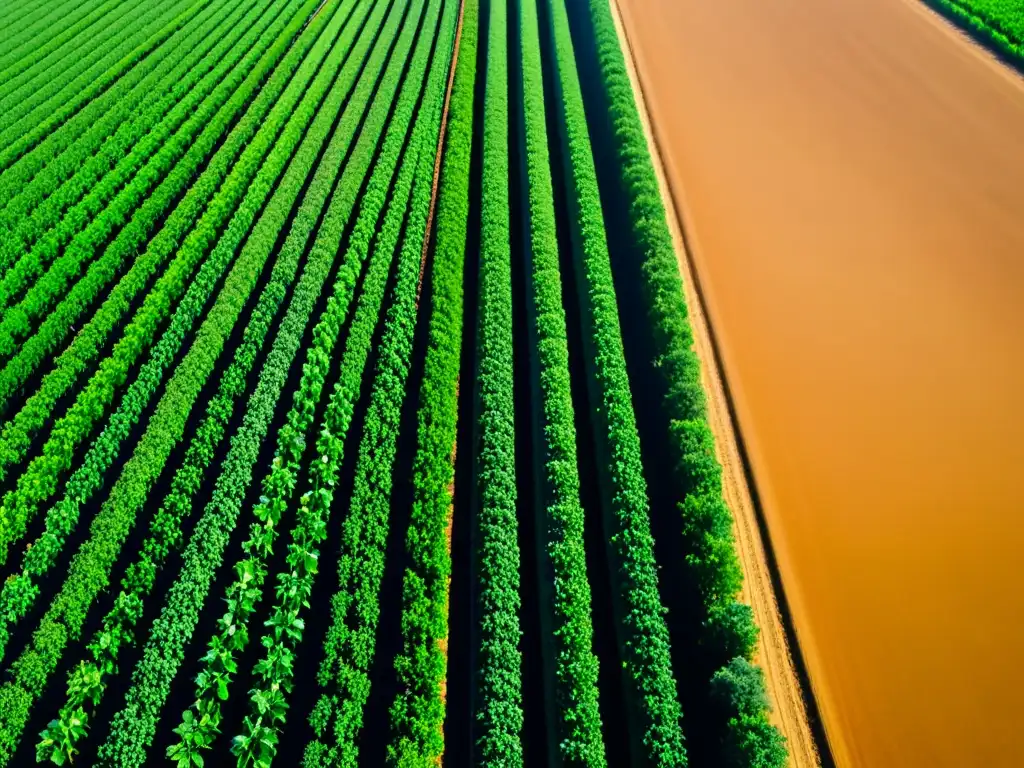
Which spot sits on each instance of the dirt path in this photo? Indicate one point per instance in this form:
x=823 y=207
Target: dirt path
x=788 y=710
x=854 y=192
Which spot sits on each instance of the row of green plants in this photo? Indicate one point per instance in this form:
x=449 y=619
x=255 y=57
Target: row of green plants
x=146 y=695
x=317 y=504
x=127 y=23
x=34 y=128
x=727 y=626
x=113 y=370
x=571 y=667
x=498 y=708
x=999 y=23
x=62 y=518
x=85 y=131
x=27 y=48
x=28 y=21
x=89 y=571
x=349 y=648
x=39 y=195
x=417 y=714
x=201 y=722
x=159 y=300
x=37 y=104
x=343 y=676
x=651 y=695
x=54 y=263
x=245 y=591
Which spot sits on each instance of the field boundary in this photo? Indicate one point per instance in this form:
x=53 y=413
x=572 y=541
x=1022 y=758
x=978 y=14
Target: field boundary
x=981 y=31
x=794 y=708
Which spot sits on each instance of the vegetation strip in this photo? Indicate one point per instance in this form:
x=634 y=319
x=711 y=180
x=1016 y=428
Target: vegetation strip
x=90 y=569
x=417 y=714
x=54 y=268
x=88 y=77
x=284 y=271
x=35 y=32
x=39 y=193
x=169 y=636
x=727 y=628
x=578 y=738
x=355 y=606
x=643 y=633
x=30 y=52
x=40 y=478
x=498 y=704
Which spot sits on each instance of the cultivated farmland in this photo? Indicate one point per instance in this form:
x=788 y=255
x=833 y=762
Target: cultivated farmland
x=322 y=324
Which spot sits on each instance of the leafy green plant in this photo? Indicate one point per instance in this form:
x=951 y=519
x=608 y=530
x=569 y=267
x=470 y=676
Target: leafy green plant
x=38 y=191
x=657 y=737
x=417 y=713
x=572 y=667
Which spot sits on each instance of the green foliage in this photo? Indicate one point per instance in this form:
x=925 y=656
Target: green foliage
x=498 y=704
x=62 y=518
x=40 y=479
x=417 y=714
x=90 y=568
x=34 y=109
x=999 y=22
x=708 y=542
x=643 y=634
x=355 y=607
x=134 y=725
x=41 y=189
x=574 y=664
x=26 y=49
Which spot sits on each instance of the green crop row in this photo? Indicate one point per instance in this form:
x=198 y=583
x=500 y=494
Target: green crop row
x=25 y=21
x=643 y=633
x=343 y=671
x=90 y=340
x=86 y=683
x=200 y=722
x=566 y=604
x=498 y=703
x=38 y=193
x=90 y=569
x=28 y=132
x=181 y=612
x=269 y=696
x=283 y=273
x=101 y=58
x=40 y=479
x=32 y=76
x=728 y=628
x=36 y=27
x=246 y=71
x=355 y=606
x=25 y=49
x=417 y=714
x=178 y=161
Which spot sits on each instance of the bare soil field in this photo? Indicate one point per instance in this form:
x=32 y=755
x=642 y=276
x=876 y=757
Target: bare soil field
x=851 y=181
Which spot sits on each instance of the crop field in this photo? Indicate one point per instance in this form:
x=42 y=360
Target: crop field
x=349 y=413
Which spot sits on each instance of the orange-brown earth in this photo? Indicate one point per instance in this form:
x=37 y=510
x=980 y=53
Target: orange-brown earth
x=851 y=178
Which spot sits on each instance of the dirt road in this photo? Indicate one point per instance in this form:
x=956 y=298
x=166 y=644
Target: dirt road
x=852 y=184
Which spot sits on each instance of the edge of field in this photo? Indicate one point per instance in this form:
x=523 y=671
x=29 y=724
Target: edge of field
x=979 y=29
x=788 y=697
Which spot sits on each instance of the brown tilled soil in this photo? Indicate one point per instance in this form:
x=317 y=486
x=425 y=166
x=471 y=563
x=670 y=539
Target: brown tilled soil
x=850 y=177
